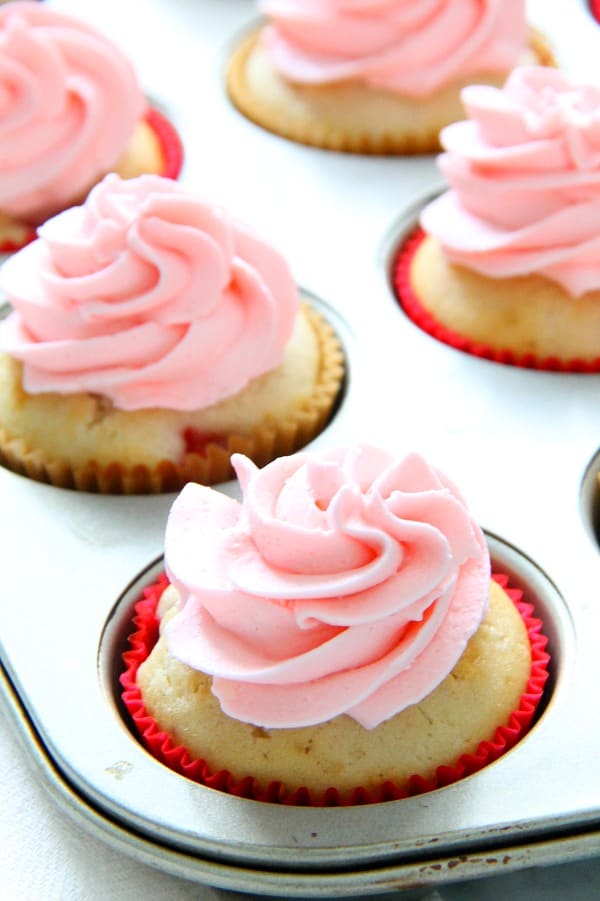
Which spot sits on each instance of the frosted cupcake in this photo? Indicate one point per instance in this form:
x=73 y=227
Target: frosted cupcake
x=71 y=110
x=335 y=638
x=507 y=267
x=375 y=77
x=152 y=336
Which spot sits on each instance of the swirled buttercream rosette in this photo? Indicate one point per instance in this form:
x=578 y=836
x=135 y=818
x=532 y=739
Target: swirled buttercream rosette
x=71 y=110
x=374 y=77
x=507 y=268
x=152 y=336
x=334 y=682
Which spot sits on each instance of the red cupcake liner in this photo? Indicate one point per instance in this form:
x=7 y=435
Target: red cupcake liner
x=177 y=758
x=414 y=309
x=13 y=246
x=172 y=151
x=169 y=139
x=595 y=9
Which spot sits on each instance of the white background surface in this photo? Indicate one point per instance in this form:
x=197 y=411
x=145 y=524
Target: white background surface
x=42 y=854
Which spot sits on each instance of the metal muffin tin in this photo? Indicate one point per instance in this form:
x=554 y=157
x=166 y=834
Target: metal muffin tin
x=521 y=444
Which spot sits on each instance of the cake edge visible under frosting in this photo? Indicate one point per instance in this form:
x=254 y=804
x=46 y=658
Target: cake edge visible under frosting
x=341 y=753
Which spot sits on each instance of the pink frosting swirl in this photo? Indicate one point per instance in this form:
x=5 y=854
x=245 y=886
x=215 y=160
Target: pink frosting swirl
x=409 y=47
x=524 y=173
x=148 y=296
x=69 y=102
x=346 y=582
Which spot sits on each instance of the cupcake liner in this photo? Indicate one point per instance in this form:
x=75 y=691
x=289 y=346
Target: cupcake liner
x=18 y=234
x=541 y=48
x=170 y=142
x=177 y=758
x=412 y=306
x=595 y=9
x=213 y=464
x=316 y=132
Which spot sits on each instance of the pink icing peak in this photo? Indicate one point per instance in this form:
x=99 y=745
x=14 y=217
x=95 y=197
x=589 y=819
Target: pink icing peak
x=412 y=47
x=149 y=296
x=344 y=582
x=524 y=173
x=69 y=102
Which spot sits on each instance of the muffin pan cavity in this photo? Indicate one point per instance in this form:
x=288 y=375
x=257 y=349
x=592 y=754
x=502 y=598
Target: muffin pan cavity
x=522 y=573
x=590 y=499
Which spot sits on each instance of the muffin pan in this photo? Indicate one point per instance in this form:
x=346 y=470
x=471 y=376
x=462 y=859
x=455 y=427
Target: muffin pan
x=522 y=445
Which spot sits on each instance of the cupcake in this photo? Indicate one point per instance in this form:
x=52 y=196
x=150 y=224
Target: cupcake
x=334 y=638
x=152 y=335
x=72 y=110
x=506 y=263
x=375 y=77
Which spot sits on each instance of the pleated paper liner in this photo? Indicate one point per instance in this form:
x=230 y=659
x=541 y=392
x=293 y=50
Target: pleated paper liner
x=299 y=112
x=209 y=463
x=169 y=140
x=15 y=234
x=413 y=307
x=160 y=745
